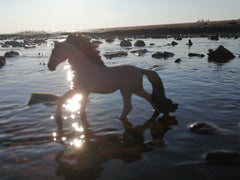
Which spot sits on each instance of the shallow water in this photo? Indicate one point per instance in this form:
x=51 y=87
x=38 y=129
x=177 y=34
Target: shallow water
x=205 y=91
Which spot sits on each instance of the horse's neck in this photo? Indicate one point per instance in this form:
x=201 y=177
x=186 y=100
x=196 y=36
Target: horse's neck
x=83 y=66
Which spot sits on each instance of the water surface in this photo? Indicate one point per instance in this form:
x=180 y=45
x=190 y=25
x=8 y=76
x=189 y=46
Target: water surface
x=205 y=91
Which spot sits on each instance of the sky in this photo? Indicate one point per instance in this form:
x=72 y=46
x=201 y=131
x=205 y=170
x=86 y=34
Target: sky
x=75 y=15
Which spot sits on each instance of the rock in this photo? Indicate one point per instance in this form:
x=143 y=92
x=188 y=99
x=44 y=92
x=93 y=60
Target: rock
x=151 y=44
x=11 y=54
x=109 y=40
x=110 y=55
x=125 y=43
x=14 y=43
x=178 y=60
x=139 y=43
x=2 y=61
x=178 y=38
x=174 y=43
x=196 y=55
x=189 y=42
x=215 y=38
x=222 y=156
x=164 y=55
x=97 y=42
x=139 y=52
x=39 y=97
x=202 y=128
x=220 y=55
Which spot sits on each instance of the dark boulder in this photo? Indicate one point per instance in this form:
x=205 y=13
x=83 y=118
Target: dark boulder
x=220 y=55
x=125 y=43
x=39 y=97
x=11 y=54
x=139 y=43
x=110 y=55
x=196 y=55
x=2 y=61
x=109 y=40
x=160 y=55
x=222 y=156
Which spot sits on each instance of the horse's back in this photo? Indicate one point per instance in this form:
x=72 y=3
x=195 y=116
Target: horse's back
x=129 y=77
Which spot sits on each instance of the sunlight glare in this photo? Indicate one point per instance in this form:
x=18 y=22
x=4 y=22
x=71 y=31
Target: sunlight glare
x=54 y=134
x=77 y=128
x=73 y=104
x=77 y=142
x=64 y=138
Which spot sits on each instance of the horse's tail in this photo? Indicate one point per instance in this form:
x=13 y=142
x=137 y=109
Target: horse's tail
x=159 y=99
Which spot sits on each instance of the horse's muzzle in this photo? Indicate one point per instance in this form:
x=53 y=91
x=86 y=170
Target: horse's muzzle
x=51 y=68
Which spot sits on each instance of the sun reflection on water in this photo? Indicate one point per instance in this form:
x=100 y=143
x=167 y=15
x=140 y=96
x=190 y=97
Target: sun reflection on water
x=72 y=106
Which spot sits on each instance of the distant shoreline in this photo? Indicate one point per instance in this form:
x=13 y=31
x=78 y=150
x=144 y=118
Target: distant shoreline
x=203 y=28
x=226 y=28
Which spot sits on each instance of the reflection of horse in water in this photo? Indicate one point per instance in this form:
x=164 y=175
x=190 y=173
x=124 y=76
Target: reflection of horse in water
x=86 y=161
x=91 y=75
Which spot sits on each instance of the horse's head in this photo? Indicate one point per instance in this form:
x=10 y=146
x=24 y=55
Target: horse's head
x=59 y=54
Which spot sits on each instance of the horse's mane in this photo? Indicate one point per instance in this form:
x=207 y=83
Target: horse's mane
x=88 y=48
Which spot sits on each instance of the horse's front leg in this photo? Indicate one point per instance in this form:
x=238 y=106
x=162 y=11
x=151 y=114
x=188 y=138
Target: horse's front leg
x=58 y=117
x=83 y=102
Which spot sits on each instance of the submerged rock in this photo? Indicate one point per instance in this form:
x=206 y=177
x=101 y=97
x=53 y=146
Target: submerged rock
x=139 y=43
x=222 y=156
x=174 y=43
x=2 y=61
x=164 y=55
x=125 y=43
x=178 y=60
x=41 y=97
x=110 y=55
x=139 y=52
x=202 y=127
x=220 y=54
x=11 y=54
x=196 y=55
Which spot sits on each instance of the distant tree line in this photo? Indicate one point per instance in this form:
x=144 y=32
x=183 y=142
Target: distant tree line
x=202 y=20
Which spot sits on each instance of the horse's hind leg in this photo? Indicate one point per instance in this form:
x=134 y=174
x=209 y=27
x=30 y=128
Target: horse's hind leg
x=144 y=94
x=127 y=104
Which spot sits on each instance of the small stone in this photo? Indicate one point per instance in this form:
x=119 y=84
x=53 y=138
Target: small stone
x=196 y=55
x=178 y=60
x=164 y=55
